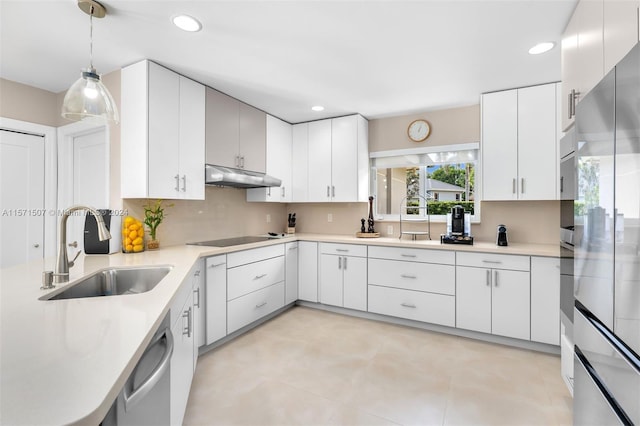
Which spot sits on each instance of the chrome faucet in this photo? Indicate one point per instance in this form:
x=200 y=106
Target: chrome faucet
x=61 y=274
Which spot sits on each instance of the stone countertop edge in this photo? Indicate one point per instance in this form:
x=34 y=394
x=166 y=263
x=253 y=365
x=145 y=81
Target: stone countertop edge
x=65 y=361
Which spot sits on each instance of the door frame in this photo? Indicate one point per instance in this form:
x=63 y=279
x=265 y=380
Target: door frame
x=50 y=175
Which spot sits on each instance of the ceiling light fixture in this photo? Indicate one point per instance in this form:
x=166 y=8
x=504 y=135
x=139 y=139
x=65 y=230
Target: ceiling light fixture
x=541 y=48
x=187 y=23
x=317 y=108
x=89 y=99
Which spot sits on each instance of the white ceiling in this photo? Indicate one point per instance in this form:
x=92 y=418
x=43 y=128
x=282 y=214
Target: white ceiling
x=378 y=58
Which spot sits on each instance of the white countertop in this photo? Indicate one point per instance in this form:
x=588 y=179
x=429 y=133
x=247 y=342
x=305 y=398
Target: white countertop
x=65 y=361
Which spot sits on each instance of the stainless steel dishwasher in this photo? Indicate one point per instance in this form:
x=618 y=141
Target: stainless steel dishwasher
x=145 y=398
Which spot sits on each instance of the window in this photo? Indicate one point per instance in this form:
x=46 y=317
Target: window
x=417 y=181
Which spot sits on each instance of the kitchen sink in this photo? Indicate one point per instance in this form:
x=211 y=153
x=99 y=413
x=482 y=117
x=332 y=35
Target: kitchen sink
x=113 y=282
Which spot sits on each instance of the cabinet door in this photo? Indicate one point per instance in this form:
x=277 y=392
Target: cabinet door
x=620 y=30
x=590 y=44
x=291 y=274
x=216 y=295
x=510 y=313
x=545 y=300
x=308 y=271
x=570 y=69
x=473 y=298
x=181 y=372
x=344 y=159
x=164 y=132
x=500 y=145
x=355 y=282
x=330 y=280
x=253 y=138
x=192 y=139
x=300 y=163
x=222 y=129
x=537 y=147
x=319 y=161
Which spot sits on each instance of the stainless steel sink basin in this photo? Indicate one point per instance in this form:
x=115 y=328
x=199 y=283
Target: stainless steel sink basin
x=112 y=282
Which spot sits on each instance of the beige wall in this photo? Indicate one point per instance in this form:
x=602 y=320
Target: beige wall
x=25 y=103
x=224 y=213
x=448 y=126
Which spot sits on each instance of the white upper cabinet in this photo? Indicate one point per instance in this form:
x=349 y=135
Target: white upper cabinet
x=519 y=144
x=236 y=133
x=279 y=164
x=338 y=160
x=599 y=34
x=300 y=163
x=163 y=134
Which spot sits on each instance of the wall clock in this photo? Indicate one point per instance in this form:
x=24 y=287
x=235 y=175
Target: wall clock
x=419 y=130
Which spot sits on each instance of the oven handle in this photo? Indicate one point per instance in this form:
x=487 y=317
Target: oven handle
x=133 y=398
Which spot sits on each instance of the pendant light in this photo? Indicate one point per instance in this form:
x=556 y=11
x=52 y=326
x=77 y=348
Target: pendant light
x=88 y=99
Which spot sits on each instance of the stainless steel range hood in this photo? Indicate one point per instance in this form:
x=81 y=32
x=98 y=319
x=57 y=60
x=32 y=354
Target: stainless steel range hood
x=224 y=176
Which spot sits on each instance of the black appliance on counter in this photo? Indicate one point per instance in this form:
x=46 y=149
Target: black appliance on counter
x=92 y=244
x=458 y=227
x=501 y=239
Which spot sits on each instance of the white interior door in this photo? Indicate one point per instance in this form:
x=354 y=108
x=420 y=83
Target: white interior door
x=22 y=210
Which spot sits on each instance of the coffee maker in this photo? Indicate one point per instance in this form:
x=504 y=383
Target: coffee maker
x=458 y=227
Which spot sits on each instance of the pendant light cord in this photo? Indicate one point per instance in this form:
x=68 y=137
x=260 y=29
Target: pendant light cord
x=91 y=38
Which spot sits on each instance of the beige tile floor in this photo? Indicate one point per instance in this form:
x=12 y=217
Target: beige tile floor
x=310 y=367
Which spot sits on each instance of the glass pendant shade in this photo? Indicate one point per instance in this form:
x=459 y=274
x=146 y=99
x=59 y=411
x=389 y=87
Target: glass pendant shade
x=89 y=100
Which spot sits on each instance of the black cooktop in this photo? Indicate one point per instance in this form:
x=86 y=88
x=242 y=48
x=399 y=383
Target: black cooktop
x=230 y=241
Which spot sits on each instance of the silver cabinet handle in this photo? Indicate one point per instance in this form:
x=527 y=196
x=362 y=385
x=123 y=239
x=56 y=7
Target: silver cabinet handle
x=569 y=109
x=283 y=192
x=413 y=277
x=333 y=191
x=343 y=250
x=196 y=274
x=408 y=305
x=344 y=262
x=260 y=305
x=408 y=255
x=489 y=277
x=573 y=97
x=513 y=189
x=495 y=278
x=328 y=191
x=339 y=262
x=133 y=396
x=184 y=183
x=522 y=185
x=496 y=262
x=197 y=302
x=73 y=244
x=257 y=277
x=242 y=161
x=187 y=314
x=237 y=161
x=293 y=248
x=561 y=183
x=36 y=245
x=217 y=265
x=269 y=192
x=177 y=178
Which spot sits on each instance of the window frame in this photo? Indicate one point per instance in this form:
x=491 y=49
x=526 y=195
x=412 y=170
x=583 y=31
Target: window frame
x=373 y=181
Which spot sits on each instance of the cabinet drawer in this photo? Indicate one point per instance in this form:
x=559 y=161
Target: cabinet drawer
x=414 y=305
x=413 y=276
x=254 y=276
x=496 y=261
x=254 y=255
x=343 y=249
x=413 y=255
x=247 y=309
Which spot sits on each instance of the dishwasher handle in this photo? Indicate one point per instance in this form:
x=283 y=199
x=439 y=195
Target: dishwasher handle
x=134 y=396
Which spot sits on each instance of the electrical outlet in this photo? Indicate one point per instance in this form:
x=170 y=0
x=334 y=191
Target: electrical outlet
x=389 y=229
x=330 y=218
x=268 y=218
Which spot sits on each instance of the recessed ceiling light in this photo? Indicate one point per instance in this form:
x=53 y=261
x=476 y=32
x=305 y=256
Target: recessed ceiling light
x=317 y=108
x=541 y=48
x=187 y=23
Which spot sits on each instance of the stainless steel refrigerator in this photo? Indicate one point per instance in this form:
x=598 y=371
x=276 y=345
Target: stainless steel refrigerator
x=607 y=250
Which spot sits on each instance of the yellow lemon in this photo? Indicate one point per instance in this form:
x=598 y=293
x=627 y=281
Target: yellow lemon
x=137 y=248
x=133 y=235
x=128 y=220
x=129 y=247
x=140 y=232
x=127 y=241
x=137 y=242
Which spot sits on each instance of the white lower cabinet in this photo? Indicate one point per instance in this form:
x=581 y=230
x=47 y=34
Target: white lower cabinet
x=216 y=295
x=343 y=278
x=291 y=273
x=199 y=311
x=414 y=305
x=181 y=372
x=493 y=301
x=253 y=306
x=545 y=300
x=308 y=271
